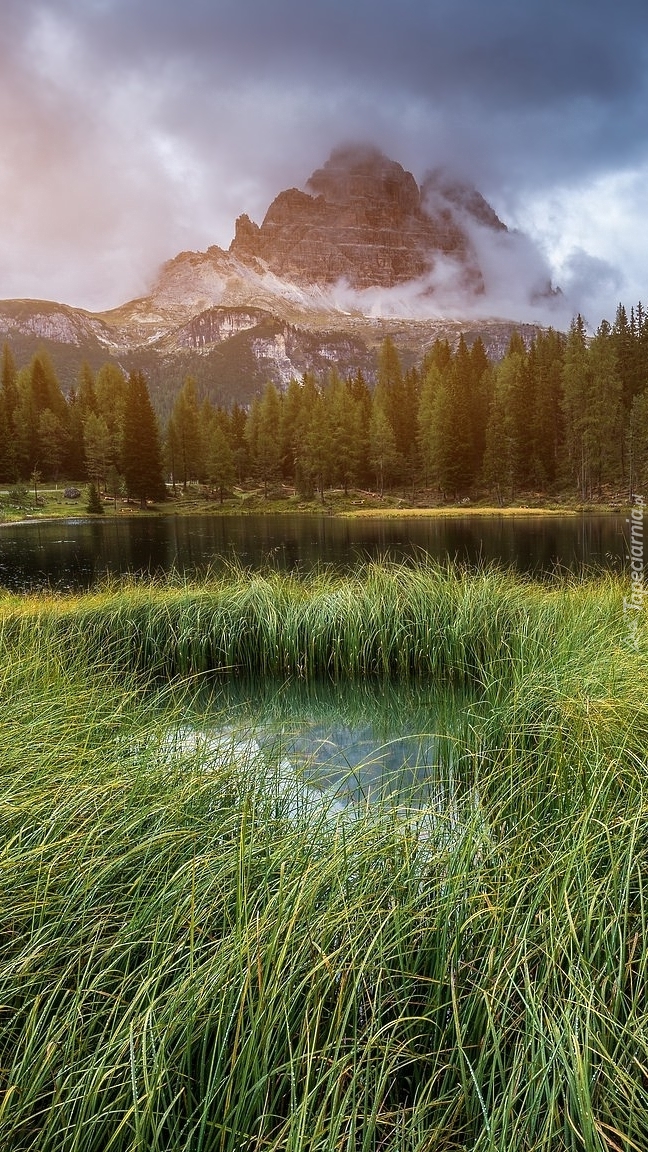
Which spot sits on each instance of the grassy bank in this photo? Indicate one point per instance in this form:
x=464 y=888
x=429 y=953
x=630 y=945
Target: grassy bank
x=53 y=505
x=185 y=965
x=379 y=620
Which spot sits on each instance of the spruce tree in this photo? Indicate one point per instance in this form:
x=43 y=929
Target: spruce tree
x=110 y=393
x=8 y=406
x=604 y=410
x=382 y=445
x=425 y=423
x=94 y=505
x=183 y=437
x=576 y=391
x=219 y=463
x=142 y=455
x=262 y=433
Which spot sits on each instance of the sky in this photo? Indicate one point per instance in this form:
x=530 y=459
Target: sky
x=131 y=130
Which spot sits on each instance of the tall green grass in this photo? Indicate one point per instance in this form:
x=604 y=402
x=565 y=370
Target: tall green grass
x=393 y=620
x=185 y=966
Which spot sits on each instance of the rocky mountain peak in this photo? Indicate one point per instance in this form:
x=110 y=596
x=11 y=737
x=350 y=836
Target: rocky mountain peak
x=363 y=174
x=440 y=189
x=363 y=219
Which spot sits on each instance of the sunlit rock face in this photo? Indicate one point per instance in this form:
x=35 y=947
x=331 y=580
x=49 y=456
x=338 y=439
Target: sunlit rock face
x=361 y=252
x=362 y=219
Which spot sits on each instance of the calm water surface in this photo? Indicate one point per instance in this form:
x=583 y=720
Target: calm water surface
x=347 y=744
x=77 y=553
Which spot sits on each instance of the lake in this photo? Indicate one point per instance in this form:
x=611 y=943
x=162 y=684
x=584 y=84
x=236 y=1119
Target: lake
x=77 y=553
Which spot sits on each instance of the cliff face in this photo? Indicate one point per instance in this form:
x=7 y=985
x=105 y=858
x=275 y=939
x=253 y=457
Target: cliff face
x=362 y=219
x=270 y=307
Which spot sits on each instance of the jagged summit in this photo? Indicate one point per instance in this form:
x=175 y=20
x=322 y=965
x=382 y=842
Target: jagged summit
x=359 y=252
x=440 y=190
x=363 y=219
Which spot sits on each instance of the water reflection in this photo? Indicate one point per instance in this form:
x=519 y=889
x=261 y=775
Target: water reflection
x=349 y=745
x=77 y=553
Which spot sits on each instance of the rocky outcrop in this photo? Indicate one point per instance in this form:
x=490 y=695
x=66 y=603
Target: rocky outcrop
x=216 y=325
x=360 y=253
x=441 y=193
x=362 y=219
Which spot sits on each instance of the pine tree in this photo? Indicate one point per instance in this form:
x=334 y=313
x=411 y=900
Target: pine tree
x=94 y=505
x=8 y=406
x=637 y=446
x=425 y=423
x=52 y=442
x=291 y=410
x=382 y=445
x=239 y=445
x=502 y=459
x=343 y=425
x=604 y=412
x=361 y=395
x=183 y=435
x=316 y=449
x=575 y=399
x=75 y=462
x=219 y=464
x=391 y=400
x=85 y=392
x=110 y=394
x=97 y=448
x=545 y=363
x=262 y=435
x=142 y=456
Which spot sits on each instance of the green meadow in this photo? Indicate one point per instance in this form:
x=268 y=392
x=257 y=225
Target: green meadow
x=192 y=960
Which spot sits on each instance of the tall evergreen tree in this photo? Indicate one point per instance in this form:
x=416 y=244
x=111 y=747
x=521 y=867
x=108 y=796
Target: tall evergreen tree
x=238 y=442
x=219 y=460
x=426 y=423
x=262 y=435
x=545 y=361
x=97 y=448
x=52 y=438
x=361 y=395
x=575 y=398
x=183 y=435
x=390 y=400
x=604 y=410
x=142 y=454
x=8 y=406
x=291 y=410
x=382 y=444
x=85 y=392
x=110 y=394
x=343 y=422
x=637 y=446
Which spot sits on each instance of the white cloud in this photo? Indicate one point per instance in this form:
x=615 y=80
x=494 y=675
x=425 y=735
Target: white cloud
x=595 y=236
x=132 y=131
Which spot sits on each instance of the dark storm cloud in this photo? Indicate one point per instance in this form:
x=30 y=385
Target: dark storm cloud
x=582 y=62
x=157 y=122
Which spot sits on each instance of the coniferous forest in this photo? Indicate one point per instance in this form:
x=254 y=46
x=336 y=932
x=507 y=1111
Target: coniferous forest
x=566 y=416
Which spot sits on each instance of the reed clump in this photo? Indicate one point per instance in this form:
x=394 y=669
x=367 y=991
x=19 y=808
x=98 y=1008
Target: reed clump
x=187 y=964
x=387 y=620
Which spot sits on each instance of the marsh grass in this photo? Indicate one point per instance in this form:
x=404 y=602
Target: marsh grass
x=183 y=966
x=380 y=620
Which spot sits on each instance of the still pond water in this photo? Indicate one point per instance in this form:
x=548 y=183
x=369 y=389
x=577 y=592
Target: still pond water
x=334 y=747
x=78 y=553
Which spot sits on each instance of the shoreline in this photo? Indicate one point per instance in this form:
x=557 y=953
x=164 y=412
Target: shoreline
x=328 y=513
x=316 y=511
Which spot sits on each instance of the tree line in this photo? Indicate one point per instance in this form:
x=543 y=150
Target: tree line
x=566 y=414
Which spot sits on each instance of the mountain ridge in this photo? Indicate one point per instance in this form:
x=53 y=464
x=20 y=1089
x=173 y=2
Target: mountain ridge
x=357 y=255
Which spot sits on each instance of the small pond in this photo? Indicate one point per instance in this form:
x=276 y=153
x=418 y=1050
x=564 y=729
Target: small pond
x=344 y=745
